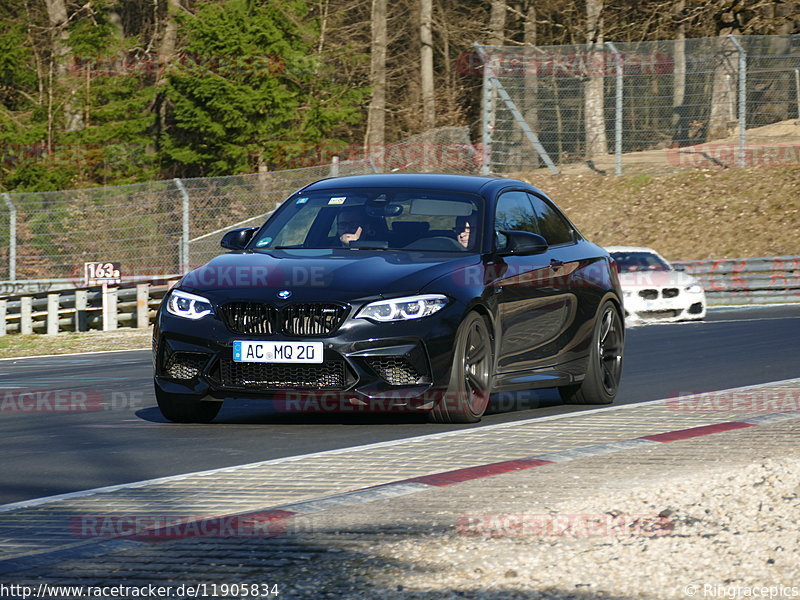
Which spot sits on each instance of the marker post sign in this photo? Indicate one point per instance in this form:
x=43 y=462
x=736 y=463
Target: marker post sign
x=105 y=274
x=101 y=273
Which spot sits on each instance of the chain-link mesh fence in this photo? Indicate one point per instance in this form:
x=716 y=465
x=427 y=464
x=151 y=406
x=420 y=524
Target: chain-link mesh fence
x=642 y=107
x=164 y=227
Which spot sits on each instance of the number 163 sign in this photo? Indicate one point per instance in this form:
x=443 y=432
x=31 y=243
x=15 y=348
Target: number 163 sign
x=99 y=273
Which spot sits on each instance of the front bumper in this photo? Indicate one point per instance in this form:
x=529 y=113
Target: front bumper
x=683 y=307
x=381 y=366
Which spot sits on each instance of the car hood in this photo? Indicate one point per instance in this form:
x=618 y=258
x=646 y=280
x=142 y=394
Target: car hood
x=331 y=275
x=655 y=279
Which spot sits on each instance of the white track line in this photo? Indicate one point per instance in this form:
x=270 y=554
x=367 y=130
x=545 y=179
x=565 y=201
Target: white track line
x=363 y=448
x=74 y=354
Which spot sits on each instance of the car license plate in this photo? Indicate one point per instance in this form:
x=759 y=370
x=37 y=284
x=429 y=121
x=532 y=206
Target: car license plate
x=277 y=352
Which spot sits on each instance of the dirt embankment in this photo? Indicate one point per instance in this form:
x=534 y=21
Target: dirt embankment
x=725 y=213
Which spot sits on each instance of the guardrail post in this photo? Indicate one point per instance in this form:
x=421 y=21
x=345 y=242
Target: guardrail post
x=142 y=305
x=26 y=315
x=81 y=303
x=334 y=172
x=52 y=313
x=12 y=238
x=183 y=250
x=109 y=308
x=2 y=318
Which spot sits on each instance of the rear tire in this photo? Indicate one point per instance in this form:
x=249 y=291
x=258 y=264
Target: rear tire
x=467 y=396
x=186 y=409
x=604 y=368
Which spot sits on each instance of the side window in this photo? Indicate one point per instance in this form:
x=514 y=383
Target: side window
x=552 y=224
x=515 y=212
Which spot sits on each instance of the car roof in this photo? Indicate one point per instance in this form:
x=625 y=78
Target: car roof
x=433 y=181
x=629 y=249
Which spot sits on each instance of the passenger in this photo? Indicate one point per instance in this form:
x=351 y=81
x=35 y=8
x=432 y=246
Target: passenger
x=463 y=229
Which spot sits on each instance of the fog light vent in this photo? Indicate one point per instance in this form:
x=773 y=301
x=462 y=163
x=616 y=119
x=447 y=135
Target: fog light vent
x=396 y=370
x=185 y=365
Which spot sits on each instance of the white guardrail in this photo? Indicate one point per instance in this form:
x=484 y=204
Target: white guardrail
x=729 y=281
x=105 y=308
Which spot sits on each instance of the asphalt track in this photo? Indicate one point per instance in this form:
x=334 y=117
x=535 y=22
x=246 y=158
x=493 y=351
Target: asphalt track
x=48 y=451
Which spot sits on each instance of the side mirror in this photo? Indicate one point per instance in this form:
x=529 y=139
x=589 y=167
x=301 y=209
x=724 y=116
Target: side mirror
x=237 y=239
x=679 y=267
x=522 y=243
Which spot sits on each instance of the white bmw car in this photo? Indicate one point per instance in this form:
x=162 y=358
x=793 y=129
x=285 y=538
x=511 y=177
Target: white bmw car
x=655 y=291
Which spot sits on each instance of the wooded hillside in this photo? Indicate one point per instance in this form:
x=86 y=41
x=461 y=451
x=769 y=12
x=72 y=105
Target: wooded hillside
x=115 y=91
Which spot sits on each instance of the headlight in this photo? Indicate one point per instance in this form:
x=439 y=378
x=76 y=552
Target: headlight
x=189 y=306
x=695 y=288
x=402 y=309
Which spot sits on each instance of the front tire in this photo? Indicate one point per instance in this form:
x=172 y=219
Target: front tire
x=186 y=409
x=604 y=368
x=467 y=396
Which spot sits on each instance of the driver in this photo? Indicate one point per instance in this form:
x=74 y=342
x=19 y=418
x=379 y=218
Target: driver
x=349 y=225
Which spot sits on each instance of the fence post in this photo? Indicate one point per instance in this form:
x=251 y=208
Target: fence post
x=81 y=303
x=142 y=307
x=2 y=318
x=26 y=315
x=518 y=117
x=109 y=308
x=183 y=250
x=52 y=313
x=334 y=172
x=487 y=110
x=12 y=238
x=618 y=112
x=742 y=99
x=797 y=90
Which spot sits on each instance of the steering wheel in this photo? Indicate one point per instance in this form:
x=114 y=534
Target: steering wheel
x=437 y=242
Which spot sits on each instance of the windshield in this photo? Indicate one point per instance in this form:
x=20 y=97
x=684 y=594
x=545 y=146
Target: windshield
x=639 y=261
x=376 y=219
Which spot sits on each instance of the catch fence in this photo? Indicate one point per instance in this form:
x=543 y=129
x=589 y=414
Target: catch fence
x=163 y=228
x=640 y=107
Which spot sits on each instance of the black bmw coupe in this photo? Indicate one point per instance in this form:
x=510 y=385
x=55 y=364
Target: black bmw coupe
x=401 y=292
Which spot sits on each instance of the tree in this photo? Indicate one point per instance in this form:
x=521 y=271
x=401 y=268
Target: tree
x=593 y=102
x=62 y=61
x=679 y=74
x=497 y=23
x=530 y=75
x=376 y=123
x=723 y=91
x=249 y=90
x=426 y=63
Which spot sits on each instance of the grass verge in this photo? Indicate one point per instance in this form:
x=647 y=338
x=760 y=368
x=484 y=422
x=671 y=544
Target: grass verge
x=12 y=346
